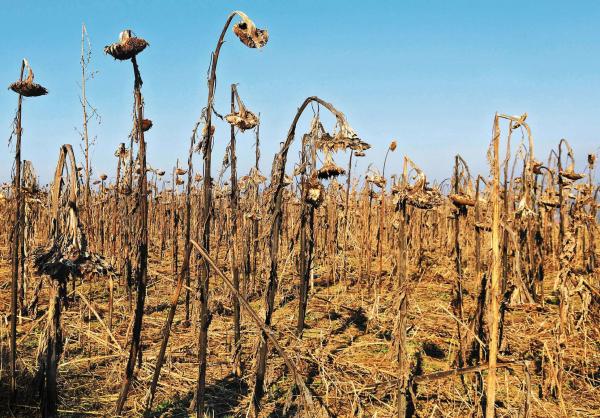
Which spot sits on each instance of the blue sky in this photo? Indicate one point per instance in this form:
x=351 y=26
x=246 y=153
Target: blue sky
x=430 y=74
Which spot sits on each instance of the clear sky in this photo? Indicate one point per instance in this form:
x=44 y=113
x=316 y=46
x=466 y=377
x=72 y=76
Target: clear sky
x=430 y=74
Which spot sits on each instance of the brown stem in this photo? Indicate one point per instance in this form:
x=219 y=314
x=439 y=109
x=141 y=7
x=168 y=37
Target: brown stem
x=16 y=249
x=494 y=286
x=206 y=223
x=234 y=201
x=346 y=221
x=142 y=247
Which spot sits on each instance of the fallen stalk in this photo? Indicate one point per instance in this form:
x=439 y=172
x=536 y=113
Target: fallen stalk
x=268 y=332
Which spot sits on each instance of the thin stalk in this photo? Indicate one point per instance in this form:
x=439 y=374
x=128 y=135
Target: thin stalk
x=346 y=220
x=142 y=247
x=234 y=201
x=85 y=125
x=494 y=285
x=16 y=249
x=206 y=224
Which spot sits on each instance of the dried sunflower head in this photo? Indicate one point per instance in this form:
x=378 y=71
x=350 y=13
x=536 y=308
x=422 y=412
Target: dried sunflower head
x=121 y=151
x=314 y=192
x=103 y=176
x=127 y=47
x=256 y=176
x=359 y=146
x=461 y=200
x=570 y=174
x=343 y=137
x=27 y=87
x=180 y=171
x=248 y=33
x=329 y=169
x=243 y=119
x=376 y=179
x=146 y=125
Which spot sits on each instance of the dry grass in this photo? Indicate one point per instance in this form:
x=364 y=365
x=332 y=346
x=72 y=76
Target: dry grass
x=345 y=352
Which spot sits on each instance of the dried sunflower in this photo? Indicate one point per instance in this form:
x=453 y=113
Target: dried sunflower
x=256 y=176
x=27 y=87
x=146 y=125
x=460 y=199
x=127 y=47
x=121 y=151
x=329 y=169
x=248 y=33
x=314 y=192
x=537 y=167
x=376 y=179
x=243 y=118
x=244 y=121
x=570 y=174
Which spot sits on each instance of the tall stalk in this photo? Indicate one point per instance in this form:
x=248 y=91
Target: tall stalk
x=403 y=287
x=494 y=284
x=478 y=227
x=307 y=231
x=381 y=230
x=84 y=105
x=16 y=247
x=141 y=270
x=458 y=290
x=234 y=202
x=346 y=220
x=255 y=38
